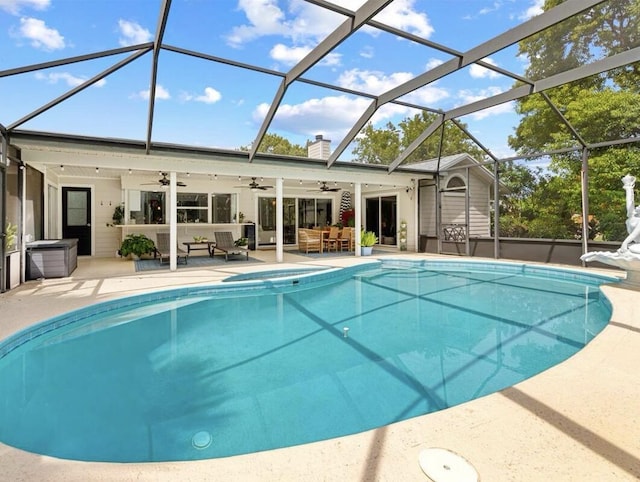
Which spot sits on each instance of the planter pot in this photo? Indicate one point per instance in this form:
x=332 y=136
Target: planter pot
x=366 y=250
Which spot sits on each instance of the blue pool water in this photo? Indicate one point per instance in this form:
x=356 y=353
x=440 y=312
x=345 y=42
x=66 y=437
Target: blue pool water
x=252 y=365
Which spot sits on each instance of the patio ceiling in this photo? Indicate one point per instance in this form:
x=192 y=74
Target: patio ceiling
x=171 y=55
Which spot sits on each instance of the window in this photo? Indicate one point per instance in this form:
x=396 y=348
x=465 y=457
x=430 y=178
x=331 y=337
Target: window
x=223 y=208
x=150 y=207
x=456 y=183
x=192 y=207
x=146 y=207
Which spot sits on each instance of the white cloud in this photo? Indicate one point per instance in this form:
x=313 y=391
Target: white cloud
x=478 y=72
x=288 y=55
x=70 y=79
x=375 y=82
x=265 y=18
x=15 y=6
x=132 y=33
x=333 y=116
x=367 y=52
x=401 y=14
x=535 y=9
x=306 y=24
x=292 y=55
x=468 y=96
x=211 y=96
x=494 y=7
x=41 y=36
x=161 y=93
x=432 y=63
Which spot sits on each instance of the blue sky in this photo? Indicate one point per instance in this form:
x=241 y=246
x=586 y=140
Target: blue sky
x=210 y=104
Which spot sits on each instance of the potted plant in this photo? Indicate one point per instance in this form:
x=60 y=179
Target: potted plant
x=136 y=245
x=349 y=218
x=11 y=236
x=240 y=242
x=118 y=214
x=367 y=240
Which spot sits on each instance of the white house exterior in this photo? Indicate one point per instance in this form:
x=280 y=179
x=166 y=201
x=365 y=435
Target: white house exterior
x=464 y=198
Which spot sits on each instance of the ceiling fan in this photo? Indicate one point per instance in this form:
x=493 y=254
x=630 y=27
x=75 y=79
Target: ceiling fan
x=254 y=186
x=164 y=182
x=324 y=188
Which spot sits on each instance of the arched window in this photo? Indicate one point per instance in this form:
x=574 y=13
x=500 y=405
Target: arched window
x=456 y=183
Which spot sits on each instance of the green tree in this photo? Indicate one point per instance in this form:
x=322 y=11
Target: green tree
x=384 y=145
x=275 y=144
x=600 y=108
x=377 y=146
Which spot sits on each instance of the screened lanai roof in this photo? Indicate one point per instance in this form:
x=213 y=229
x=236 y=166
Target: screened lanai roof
x=223 y=74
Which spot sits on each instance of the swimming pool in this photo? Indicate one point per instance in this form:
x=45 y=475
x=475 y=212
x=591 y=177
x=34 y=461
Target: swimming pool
x=248 y=366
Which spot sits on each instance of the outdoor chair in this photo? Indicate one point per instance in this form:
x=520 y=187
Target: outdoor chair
x=331 y=239
x=344 y=239
x=309 y=240
x=163 y=250
x=226 y=244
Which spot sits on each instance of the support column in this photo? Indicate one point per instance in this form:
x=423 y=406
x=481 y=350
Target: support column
x=4 y=161
x=173 y=220
x=467 y=195
x=358 y=216
x=584 y=174
x=279 y=221
x=496 y=210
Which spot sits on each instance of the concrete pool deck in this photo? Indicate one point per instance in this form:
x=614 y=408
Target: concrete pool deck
x=578 y=421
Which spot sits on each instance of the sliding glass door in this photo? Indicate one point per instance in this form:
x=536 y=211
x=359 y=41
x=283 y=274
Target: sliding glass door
x=381 y=218
x=314 y=212
x=267 y=221
x=296 y=213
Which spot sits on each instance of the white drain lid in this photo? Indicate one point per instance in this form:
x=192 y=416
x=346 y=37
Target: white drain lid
x=442 y=465
x=201 y=440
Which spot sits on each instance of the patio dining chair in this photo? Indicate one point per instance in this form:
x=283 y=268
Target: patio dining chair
x=331 y=239
x=344 y=239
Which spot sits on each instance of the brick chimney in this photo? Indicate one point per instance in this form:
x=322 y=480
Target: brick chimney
x=320 y=148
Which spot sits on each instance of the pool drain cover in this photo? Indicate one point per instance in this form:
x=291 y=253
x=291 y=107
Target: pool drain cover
x=442 y=465
x=202 y=440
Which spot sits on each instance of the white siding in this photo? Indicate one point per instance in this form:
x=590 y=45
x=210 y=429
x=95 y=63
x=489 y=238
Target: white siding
x=107 y=195
x=453 y=206
x=479 y=219
x=428 y=211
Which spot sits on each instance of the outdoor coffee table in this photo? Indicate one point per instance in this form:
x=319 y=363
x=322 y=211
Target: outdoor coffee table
x=200 y=246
